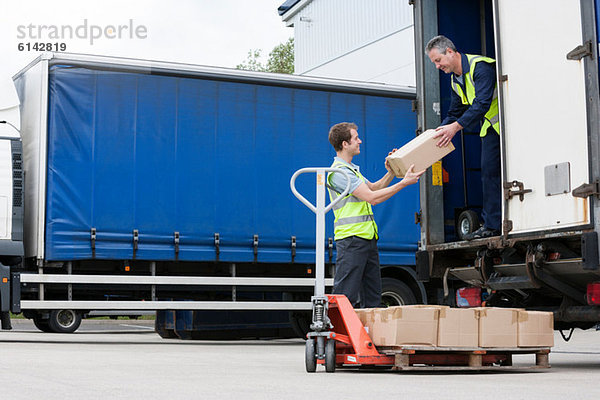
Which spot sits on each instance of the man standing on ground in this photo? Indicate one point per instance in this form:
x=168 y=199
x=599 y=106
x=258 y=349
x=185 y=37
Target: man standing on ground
x=357 y=264
x=474 y=99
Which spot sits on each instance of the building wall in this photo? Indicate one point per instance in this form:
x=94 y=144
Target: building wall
x=355 y=39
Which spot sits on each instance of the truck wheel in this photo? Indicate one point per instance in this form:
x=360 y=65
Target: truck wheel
x=41 y=324
x=309 y=356
x=300 y=321
x=330 y=355
x=396 y=293
x=64 y=321
x=467 y=222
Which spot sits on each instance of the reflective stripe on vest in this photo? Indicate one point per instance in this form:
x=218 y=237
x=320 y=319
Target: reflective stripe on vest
x=491 y=117
x=353 y=216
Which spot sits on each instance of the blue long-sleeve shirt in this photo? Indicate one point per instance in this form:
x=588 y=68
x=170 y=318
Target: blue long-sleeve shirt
x=484 y=79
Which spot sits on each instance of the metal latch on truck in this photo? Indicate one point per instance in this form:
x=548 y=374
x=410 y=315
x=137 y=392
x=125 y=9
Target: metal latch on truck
x=508 y=193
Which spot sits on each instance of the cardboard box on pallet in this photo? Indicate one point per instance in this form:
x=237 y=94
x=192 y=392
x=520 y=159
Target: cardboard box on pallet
x=535 y=328
x=422 y=151
x=458 y=327
x=401 y=325
x=497 y=326
x=366 y=317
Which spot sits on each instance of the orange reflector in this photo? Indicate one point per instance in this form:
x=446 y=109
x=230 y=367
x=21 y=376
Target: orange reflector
x=309 y=271
x=4 y=280
x=127 y=268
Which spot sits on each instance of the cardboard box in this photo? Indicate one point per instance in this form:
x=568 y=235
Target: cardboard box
x=422 y=151
x=401 y=325
x=367 y=318
x=458 y=327
x=535 y=328
x=497 y=326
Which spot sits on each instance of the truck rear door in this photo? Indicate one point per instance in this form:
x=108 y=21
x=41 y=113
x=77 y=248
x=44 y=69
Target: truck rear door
x=543 y=110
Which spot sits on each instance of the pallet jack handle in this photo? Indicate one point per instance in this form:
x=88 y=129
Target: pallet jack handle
x=320 y=210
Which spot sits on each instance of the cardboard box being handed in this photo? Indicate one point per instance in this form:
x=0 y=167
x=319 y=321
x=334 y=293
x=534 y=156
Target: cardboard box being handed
x=422 y=151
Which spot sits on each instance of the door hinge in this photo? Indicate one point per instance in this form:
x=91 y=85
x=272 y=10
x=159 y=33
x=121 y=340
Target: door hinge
x=415 y=105
x=418 y=216
x=581 y=51
x=507 y=226
x=587 y=189
x=508 y=194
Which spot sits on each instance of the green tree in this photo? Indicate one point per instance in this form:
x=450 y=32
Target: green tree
x=281 y=59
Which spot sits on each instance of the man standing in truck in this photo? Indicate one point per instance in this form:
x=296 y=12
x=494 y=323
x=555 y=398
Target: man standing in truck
x=357 y=264
x=474 y=99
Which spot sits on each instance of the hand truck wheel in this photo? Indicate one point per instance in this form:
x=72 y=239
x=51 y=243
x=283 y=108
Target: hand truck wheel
x=330 y=355
x=310 y=359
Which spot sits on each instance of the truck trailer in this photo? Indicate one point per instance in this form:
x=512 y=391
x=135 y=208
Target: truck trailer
x=546 y=258
x=145 y=185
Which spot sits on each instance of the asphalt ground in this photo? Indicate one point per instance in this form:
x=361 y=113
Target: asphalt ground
x=125 y=359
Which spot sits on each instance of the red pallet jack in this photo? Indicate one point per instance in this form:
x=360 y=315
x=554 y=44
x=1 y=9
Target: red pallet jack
x=337 y=337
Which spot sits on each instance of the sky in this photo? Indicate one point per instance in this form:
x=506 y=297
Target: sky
x=205 y=32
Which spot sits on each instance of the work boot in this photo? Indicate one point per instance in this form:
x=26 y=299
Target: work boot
x=482 y=232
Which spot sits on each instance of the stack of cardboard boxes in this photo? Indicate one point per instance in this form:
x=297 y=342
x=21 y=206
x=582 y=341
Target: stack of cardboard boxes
x=458 y=327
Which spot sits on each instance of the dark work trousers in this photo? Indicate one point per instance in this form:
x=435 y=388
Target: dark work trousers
x=490 y=180
x=357 y=273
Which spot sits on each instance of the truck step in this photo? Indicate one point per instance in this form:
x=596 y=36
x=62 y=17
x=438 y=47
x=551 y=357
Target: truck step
x=497 y=282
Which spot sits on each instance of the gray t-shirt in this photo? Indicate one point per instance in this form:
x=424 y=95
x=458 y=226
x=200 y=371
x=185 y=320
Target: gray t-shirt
x=338 y=181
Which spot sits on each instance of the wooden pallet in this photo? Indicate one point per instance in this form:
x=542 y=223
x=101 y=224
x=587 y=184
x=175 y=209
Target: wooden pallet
x=430 y=358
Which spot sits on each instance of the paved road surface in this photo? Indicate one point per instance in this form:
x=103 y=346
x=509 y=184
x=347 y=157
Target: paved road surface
x=126 y=360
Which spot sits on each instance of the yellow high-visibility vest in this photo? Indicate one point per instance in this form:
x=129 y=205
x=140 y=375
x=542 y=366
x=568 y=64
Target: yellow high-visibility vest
x=353 y=216
x=491 y=117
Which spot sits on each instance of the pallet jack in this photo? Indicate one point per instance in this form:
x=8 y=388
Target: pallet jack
x=339 y=339
x=337 y=336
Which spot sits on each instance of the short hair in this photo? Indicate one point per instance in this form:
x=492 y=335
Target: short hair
x=441 y=43
x=340 y=133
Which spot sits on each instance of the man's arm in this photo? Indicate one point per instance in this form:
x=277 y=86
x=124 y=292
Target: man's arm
x=456 y=110
x=449 y=125
x=374 y=197
x=386 y=179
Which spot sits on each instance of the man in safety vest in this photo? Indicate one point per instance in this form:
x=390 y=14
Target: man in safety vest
x=357 y=272
x=474 y=99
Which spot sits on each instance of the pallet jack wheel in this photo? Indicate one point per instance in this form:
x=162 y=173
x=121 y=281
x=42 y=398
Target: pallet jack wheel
x=330 y=356
x=310 y=359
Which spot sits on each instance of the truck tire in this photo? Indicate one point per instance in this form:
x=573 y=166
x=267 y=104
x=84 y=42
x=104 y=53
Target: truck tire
x=394 y=292
x=467 y=222
x=64 y=321
x=41 y=324
x=300 y=321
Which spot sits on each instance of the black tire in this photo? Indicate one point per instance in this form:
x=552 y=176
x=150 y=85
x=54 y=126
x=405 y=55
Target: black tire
x=394 y=292
x=164 y=332
x=330 y=355
x=467 y=222
x=300 y=321
x=309 y=356
x=64 y=321
x=41 y=324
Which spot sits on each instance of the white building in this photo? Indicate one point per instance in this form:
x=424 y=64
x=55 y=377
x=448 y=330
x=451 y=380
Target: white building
x=366 y=40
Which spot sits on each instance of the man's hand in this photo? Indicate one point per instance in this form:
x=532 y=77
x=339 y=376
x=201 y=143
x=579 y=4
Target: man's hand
x=446 y=133
x=387 y=164
x=412 y=177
